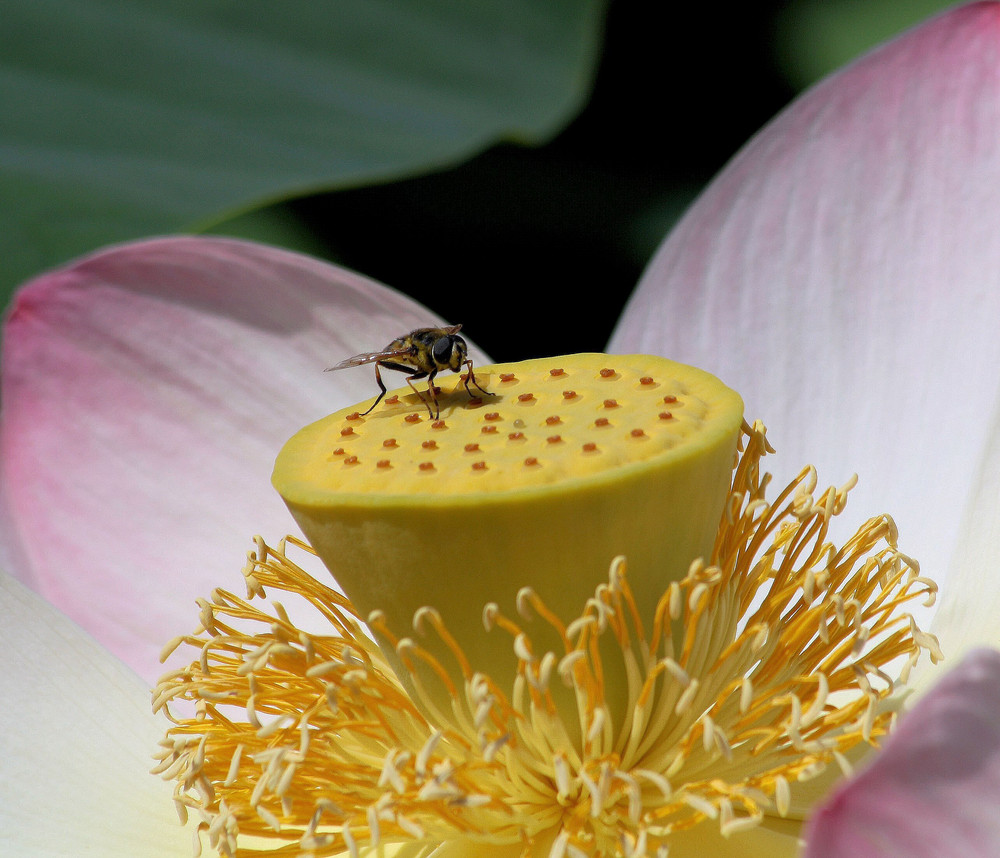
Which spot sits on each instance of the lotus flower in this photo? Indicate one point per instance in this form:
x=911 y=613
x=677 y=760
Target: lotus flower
x=840 y=274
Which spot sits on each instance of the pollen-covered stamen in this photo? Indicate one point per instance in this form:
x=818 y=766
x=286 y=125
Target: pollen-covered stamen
x=761 y=666
x=313 y=767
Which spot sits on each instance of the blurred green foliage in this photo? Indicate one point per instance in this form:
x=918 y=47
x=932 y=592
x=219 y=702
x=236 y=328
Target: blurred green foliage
x=120 y=120
x=510 y=163
x=815 y=37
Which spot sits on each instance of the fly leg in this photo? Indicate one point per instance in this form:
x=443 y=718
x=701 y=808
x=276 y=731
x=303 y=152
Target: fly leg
x=471 y=376
x=378 y=399
x=430 y=383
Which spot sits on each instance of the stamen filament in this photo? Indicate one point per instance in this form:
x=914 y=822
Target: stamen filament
x=766 y=662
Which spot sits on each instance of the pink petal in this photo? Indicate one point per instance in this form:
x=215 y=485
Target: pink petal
x=146 y=392
x=843 y=273
x=934 y=790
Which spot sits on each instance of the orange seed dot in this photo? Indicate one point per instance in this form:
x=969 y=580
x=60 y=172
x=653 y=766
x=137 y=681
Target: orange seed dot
x=531 y=460
x=347 y=430
x=553 y=420
x=665 y=415
x=354 y=415
x=646 y=379
x=525 y=397
x=589 y=447
x=439 y=424
x=492 y=415
x=351 y=460
x=601 y=421
x=554 y=439
x=637 y=433
x=389 y=442
x=507 y=376
x=610 y=403
x=607 y=373
x=516 y=436
x=479 y=466
x=426 y=466
x=555 y=373
x=339 y=451
x=392 y=400
x=383 y=463
x=471 y=448
x=569 y=394
x=429 y=445
x=412 y=418
x=488 y=430
x=669 y=400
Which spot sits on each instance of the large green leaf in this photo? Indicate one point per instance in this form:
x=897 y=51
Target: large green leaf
x=126 y=119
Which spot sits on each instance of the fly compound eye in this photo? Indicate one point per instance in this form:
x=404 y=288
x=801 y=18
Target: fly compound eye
x=441 y=350
x=459 y=353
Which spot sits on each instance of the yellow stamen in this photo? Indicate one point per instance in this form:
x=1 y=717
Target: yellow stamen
x=753 y=669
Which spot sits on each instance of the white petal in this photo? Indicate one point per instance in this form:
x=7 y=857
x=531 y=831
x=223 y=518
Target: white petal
x=970 y=605
x=76 y=739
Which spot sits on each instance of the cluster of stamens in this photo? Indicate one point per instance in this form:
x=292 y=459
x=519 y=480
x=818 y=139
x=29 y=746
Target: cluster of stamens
x=766 y=662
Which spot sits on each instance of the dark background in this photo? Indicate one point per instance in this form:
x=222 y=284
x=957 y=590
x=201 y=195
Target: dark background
x=536 y=250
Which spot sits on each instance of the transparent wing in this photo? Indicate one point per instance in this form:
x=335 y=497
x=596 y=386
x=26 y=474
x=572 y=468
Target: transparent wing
x=369 y=357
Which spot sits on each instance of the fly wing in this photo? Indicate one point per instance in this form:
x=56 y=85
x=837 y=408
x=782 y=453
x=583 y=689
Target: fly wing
x=369 y=357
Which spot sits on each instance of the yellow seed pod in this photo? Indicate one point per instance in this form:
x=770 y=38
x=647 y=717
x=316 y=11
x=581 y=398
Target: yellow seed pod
x=570 y=462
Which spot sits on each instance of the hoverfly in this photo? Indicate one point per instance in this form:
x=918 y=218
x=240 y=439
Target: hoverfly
x=422 y=353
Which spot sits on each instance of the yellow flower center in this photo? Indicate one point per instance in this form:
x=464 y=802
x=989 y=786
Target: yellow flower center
x=570 y=462
x=704 y=692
